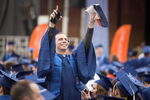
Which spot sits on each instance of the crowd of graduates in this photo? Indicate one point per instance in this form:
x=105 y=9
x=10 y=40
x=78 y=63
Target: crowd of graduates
x=113 y=80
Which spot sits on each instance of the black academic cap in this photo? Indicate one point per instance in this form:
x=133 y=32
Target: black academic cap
x=146 y=77
x=46 y=94
x=17 y=67
x=10 y=43
x=6 y=80
x=20 y=75
x=103 y=97
x=101 y=18
x=104 y=82
x=130 y=87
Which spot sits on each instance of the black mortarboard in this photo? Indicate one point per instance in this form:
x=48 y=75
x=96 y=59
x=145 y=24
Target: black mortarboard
x=103 y=97
x=6 y=80
x=101 y=18
x=104 y=82
x=22 y=74
x=146 y=77
x=17 y=67
x=143 y=70
x=46 y=94
x=10 y=43
x=126 y=82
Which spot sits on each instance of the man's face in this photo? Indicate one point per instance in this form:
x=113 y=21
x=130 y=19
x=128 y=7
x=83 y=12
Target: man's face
x=36 y=92
x=9 y=48
x=61 y=42
x=99 y=51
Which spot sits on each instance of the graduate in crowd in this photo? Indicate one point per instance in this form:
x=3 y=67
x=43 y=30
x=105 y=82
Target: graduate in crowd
x=10 y=53
x=6 y=83
x=26 y=90
x=64 y=73
x=100 y=57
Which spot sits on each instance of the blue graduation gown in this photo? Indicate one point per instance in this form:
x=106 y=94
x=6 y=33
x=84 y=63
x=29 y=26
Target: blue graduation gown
x=5 y=97
x=49 y=64
x=7 y=56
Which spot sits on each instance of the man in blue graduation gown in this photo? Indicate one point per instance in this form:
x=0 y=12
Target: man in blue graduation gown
x=64 y=73
x=10 y=51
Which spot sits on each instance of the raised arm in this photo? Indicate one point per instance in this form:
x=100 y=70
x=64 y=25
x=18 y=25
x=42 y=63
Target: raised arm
x=47 y=50
x=89 y=34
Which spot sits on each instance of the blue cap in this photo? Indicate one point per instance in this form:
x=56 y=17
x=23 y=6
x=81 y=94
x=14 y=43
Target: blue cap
x=99 y=46
x=6 y=80
x=117 y=64
x=46 y=94
x=146 y=77
x=17 y=68
x=146 y=49
x=104 y=82
x=22 y=74
x=128 y=82
x=10 y=43
x=25 y=61
x=103 y=97
x=130 y=69
x=143 y=70
x=12 y=59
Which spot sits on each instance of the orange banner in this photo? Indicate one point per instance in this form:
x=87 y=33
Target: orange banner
x=119 y=47
x=35 y=39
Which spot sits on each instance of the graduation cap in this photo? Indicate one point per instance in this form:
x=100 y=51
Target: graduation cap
x=99 y=46
x=117 y=64
x=130 y=87
x=100 y=16
x=146 y=77
x=46 y=94
x=143 y=70
x=17 y=68
x=36 y=79
x=104 y=82
x=103 y=97
x=12 y=59
x=146 y=49
x=130 y=69
x=22 y=74
x=25 y=61
x=10 y=43
x=6 y=80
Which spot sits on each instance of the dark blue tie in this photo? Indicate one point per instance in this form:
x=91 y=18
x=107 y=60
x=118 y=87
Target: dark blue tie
x=68 y=85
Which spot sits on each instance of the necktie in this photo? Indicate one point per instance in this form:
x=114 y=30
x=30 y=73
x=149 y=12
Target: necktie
x=68 y=85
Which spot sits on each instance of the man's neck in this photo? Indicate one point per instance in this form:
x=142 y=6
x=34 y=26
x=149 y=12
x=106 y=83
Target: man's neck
x=61 y=52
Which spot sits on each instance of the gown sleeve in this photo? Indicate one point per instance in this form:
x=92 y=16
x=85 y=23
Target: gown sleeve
x=47 y=52
x=85 y=58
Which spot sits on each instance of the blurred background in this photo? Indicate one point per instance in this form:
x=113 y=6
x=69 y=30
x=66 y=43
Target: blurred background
x=18 y=19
